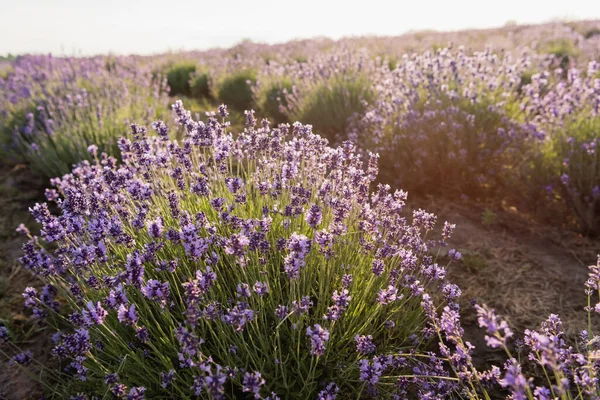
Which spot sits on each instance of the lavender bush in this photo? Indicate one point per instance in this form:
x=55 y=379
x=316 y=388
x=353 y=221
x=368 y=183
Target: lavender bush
x=326 y=91
x=178 y=78
x=236 y=90
x=271 y=98
x=260 y=264
x=442 y=122
x=568 y=112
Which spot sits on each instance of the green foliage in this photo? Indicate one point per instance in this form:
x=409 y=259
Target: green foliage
x=5 y=72
x=110 y=64
x=8 y=57
x=572 y=159
x=301 y=58
x=178 y=78
x=200 y=86
x=10 y=126
x=525 y=80
x=272 y=100
x=592 y=32
x=436 y=46
x=236 y=91
x=331 y=104
x=564 y=51
x=488 y=217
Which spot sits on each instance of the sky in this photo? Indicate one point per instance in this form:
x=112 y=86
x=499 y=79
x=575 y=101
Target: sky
x=84 y=27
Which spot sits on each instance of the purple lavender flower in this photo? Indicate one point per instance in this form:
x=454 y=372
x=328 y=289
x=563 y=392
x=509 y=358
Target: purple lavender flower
x=174 y=204
x=22 y=229
x=94 y=314
x=223 y=113
x=116 y=297
x=282 y=311
x=119 y=390
x=141 y=332
x=136 y=393
x=4 y=334
x=155 y=227
x=452 y=253
x=157 y=291
x=341 y=300
x=22 y=358
x=214 y=382
x=329 y=393
x=161 y=129
x=111 y=378
x=498 y=329
x=234 y=184
x=252 y=383
x=166 y=378
x=93 y=150
x=378 y=267
x=238 y=316
x=370 y=372
x=314 y=216
x=127 y=316
x=346 y=281
x=243 y=290
x=261 y=288
x=237 y=244
x=364 y=344
x=514 y=379
x=301 y=307
x=31 y=297
x=78 y=369
x=318 y=337
x=387 y=296
x=299 y=247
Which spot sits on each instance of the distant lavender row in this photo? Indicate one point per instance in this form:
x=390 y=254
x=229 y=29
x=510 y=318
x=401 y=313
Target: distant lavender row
x=54 y=108
x=470 y=123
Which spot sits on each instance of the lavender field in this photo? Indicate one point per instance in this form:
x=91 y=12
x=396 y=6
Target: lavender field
x=403 y=217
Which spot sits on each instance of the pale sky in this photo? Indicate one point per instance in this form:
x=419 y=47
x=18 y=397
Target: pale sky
x=153 y=26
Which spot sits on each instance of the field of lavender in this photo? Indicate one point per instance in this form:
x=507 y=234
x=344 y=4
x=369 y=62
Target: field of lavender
x=235 y=223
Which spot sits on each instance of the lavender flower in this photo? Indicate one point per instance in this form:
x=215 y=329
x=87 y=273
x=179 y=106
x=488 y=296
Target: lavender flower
x=4 y=334
x=498 y=329
x=318 y=337
x=387 y=296
x=364 y=344
x=261 y=288
x=370 y=372
x=136 y=393
x=313 y=216
x=158 y=291
x=252 y=383
x=94 y=314
x=127 y=316
x=166 y=378
x=329 y=393
x=22 y=358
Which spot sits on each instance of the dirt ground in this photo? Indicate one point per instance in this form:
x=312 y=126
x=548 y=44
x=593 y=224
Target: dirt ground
x=524 y=270
x=19 y=189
